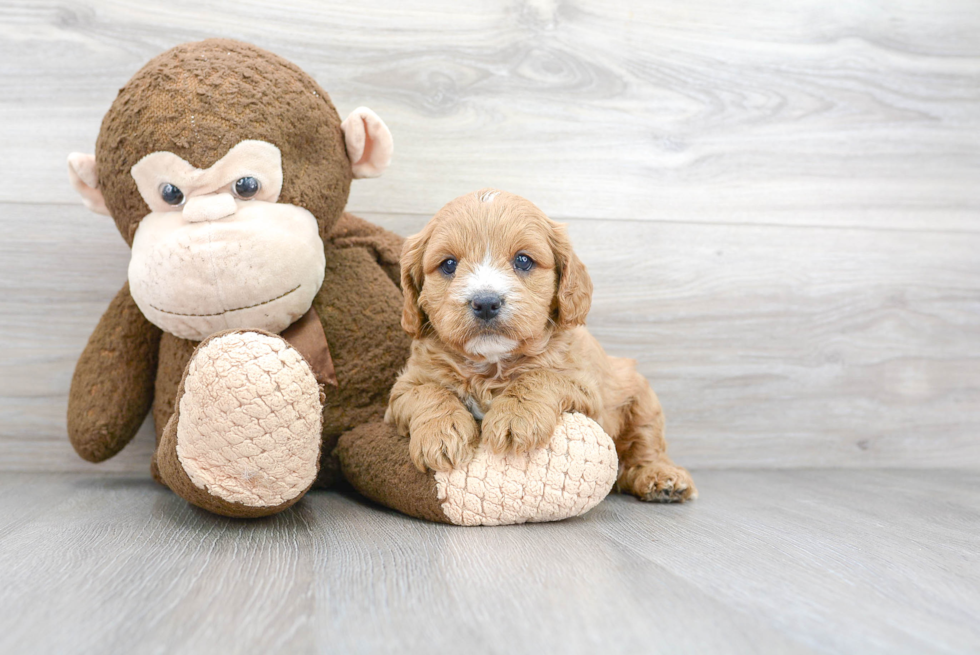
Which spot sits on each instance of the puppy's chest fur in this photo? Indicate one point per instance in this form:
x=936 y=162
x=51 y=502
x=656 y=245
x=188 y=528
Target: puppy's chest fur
x=478 y=386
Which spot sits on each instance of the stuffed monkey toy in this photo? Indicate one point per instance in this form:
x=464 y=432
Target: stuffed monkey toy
x=260 y=322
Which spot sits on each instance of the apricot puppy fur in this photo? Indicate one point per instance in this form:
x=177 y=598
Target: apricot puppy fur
x=496 y=301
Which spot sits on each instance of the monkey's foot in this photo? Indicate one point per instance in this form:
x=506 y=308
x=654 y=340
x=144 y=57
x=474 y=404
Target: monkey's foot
x=565 y=478
x=245 y=437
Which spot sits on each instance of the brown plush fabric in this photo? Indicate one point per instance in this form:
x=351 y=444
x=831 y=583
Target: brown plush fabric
x=174 y=355
x=360 y=308
x=307 y=336
x=167 y=469
x=173 y=358
x=112 y=387
x=198 y=100
x=375 y=461
x=352 y=231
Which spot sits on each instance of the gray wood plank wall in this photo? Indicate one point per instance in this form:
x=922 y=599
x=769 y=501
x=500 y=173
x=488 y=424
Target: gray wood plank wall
x=778 y=201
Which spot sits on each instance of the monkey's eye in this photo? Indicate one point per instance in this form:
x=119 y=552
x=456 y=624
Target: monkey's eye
x=246 y=187
x=171 y=194
x=448 y=267
x=523 y=263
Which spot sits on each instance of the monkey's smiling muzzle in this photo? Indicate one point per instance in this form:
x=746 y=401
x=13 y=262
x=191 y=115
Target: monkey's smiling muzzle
x=258 y=267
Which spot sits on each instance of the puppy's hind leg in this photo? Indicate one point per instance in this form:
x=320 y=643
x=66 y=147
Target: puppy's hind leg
x=645 y=469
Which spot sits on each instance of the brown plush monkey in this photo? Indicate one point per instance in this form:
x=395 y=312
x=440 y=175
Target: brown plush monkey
x=227 y=169
x=260 y=322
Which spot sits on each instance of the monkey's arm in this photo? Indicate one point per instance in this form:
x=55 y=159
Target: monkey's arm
x=352 y=231
x=112 y=388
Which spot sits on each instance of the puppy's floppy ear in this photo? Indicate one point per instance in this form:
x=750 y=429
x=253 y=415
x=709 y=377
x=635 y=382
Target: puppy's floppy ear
x=574 y=295
x=412 y=275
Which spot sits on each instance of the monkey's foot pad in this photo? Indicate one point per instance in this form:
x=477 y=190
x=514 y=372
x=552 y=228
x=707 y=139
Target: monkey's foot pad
x=566 y=478
x=250 y=420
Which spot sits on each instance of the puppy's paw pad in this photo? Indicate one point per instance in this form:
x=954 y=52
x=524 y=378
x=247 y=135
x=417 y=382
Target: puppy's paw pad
x=660 y=483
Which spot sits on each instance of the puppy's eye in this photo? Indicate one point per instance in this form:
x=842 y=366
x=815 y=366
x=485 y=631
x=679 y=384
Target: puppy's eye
x=448 y=267
x=523 y=263
x=246 y=187
x=171 y=194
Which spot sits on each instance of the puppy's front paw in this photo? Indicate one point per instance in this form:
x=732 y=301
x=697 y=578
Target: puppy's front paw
x=518 y=426
x=443 y=441
x=658 y=482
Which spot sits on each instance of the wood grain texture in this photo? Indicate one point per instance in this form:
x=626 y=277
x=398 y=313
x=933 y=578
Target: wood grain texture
x=769 y=345
x=788 y=562
x=778 y=202
x=805 y=113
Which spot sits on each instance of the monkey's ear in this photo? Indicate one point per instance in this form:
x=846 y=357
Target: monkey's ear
x=369 y=143
x=85 y=180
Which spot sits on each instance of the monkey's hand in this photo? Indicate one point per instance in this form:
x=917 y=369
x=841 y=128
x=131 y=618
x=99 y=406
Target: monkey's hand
x=112 y=389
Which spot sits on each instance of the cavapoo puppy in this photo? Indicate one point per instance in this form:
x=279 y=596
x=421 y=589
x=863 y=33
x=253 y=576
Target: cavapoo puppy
x=496 y=301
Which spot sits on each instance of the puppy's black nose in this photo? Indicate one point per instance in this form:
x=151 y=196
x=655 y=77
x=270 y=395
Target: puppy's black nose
x=486 y=305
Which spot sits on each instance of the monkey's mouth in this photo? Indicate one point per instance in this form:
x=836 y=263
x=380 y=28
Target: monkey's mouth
x=228 y=311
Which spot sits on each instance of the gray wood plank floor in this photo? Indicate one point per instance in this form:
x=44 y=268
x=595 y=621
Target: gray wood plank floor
x=779 y=205
x=766 y=561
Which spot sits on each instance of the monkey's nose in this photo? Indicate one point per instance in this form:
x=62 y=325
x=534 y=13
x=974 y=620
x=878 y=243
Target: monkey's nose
x=209 y=207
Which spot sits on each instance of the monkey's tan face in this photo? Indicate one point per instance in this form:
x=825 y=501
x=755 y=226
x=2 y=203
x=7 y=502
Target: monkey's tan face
x=217 y=251
x=490 y=278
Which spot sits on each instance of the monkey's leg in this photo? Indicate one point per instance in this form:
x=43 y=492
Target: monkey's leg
x=567 y=477
x=244 y=439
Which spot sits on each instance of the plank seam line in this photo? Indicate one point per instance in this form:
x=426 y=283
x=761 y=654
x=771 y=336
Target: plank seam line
x=649 y=221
